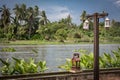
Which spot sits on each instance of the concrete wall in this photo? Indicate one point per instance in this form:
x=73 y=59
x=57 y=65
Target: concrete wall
x=105 y=74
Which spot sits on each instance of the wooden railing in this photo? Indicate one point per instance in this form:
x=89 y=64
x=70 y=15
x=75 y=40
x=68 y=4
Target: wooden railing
x=82 y=75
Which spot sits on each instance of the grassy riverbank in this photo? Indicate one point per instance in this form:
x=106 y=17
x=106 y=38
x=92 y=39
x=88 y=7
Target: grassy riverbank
x=38 y=42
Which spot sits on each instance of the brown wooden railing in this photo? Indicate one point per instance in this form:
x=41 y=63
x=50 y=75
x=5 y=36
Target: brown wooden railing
x=82 y=75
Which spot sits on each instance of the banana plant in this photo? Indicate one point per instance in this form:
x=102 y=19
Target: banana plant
x=106 y=60
x=116 y=57
x=19 y=66
x=67 y=66
x=42 y=66
x=102 y=62
x=31 y=67
x=7 y=68
x=86 y=61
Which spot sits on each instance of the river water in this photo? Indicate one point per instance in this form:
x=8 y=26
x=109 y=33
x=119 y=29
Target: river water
x=54 y=55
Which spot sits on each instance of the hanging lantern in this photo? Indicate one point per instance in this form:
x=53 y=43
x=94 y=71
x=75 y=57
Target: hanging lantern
x=107 y=22
x=86 y=24
x=76 y=62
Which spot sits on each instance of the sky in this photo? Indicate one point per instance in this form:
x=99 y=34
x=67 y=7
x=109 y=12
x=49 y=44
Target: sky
x=58 y=9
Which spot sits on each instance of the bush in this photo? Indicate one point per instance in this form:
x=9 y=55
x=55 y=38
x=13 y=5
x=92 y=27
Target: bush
x=85 y=39
x=20 y=66
x=4 y=40
x=86 y=60
x=77 y=35
x=116 y=39
x=36 y=37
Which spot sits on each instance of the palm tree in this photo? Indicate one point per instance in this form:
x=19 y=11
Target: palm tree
x=5 y=17
x=23 y=11
x=17 y=12
x=17 y=20
x=30 y=20
x=69 y=20
x=16 y=24
x=36 y=18
x=83 y=16
x=20 y=13
x=27 y=17
x=43 y=20
x=36 y=11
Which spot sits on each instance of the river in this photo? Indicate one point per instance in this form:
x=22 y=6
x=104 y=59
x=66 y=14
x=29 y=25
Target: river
x=54 y=55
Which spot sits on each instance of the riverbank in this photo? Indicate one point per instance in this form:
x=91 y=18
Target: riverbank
x=39 y=42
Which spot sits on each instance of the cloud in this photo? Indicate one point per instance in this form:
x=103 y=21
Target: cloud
x=117 y=2
x=56 y=13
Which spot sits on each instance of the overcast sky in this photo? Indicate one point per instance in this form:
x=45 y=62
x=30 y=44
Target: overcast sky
x=57 y=9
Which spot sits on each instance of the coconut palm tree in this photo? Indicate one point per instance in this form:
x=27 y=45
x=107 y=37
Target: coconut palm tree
x=36 y=17
x=5 y=17
x=36 y=11
x=17 y=11
x=23 y=10
x=43 y=20
x=69 y=20
x=20 y=13
x=32 y=19
x=83 y=16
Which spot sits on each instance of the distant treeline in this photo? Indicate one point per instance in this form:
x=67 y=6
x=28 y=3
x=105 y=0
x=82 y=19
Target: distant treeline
x=31 y=23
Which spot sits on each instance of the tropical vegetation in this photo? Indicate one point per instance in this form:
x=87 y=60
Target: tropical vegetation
x=21 y=66
x=106 y=60
x=31 y=23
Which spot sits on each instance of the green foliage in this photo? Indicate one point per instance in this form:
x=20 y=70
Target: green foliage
x=20 y=66
x=5 y=17
x=116 y=58
x=42 y=66
x=114 y=30
x=36 y=37
x=8 y=49
x=7 y=68
x=67 y=66
x=116 y=39
x=86 y=60
x=106 y=61
x=28 y=24
x=4 y=40
x=61 y=34
x=1 y=33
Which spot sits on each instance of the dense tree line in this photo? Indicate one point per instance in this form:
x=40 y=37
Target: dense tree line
x=31 y=23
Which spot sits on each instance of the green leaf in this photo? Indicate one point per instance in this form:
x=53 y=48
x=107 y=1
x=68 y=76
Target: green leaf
x=42 y=66
x=17 y=60
x=5 y=62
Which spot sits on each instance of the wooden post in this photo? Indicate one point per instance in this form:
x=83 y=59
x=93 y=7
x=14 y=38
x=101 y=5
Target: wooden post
x=96 y=17
x=96 y=46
